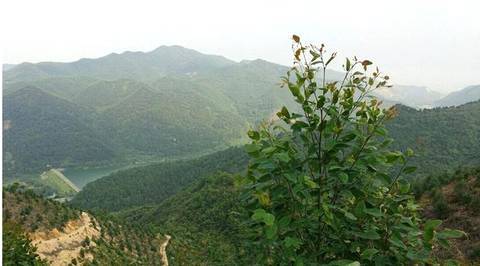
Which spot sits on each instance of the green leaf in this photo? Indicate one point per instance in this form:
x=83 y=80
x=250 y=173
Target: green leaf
x=418 y=256
x=251 y=148
x=409 y=169
x=432 y=224
x=299 y=125
x=397 y=242
x=283 y=113
x=409 y=152
x=343 y=178
x=350 y=216
x=294 y=89
x=450 y=233
x=263 y=216
x=253 y=135
x=369 y=253
x=309 y=182
x=284 y=222
x=369 y=234
x=373 y=212
x=271 y=231
x=283 y=157
x=344 y=263
x=429 y=228
x=292 y=242
x=347 y=64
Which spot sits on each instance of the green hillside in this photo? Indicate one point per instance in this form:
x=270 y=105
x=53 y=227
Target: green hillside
x=165 y=60
x=190 y=104
x=41 y=129
x=443 y=138
x=205 y=221
x=154 y=183
x=427 y=132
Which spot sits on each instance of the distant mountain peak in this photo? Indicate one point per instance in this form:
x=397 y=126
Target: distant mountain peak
x=465 y=95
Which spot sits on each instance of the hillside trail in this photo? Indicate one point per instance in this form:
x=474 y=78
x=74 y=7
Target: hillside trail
x=163 y=250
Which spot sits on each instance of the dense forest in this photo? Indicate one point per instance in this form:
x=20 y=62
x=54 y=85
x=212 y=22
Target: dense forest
x=443 y=138
x=426 y=132
x=181 y=104
x=154 y=183
x=204 y=220
x=176 y=102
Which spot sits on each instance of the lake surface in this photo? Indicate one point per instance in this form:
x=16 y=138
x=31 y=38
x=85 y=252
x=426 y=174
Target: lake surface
x=82 y=176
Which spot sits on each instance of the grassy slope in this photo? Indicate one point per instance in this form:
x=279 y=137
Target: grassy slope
x=53 y=179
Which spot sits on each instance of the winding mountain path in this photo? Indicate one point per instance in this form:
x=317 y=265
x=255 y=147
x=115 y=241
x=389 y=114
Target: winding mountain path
x=163 y=250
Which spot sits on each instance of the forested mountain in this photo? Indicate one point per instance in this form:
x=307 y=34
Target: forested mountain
x=190 y=104
x=466 y=95
x=443 y=138
x=171 y=102
x=165 y=60
x=66 y=236
x=154 y=183
x=42 y=129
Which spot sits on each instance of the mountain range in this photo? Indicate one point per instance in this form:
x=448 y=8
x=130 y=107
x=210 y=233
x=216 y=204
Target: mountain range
x=186 y=114
x=171 y=102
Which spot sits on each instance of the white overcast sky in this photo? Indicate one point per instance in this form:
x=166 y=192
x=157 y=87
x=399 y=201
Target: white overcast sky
x=429 y=43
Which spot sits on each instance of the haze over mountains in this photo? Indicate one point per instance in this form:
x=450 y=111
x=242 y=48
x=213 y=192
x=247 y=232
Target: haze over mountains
x=171 y=102
x=176 y=103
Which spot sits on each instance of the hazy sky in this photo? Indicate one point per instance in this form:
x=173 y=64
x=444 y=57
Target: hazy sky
x=430 y=43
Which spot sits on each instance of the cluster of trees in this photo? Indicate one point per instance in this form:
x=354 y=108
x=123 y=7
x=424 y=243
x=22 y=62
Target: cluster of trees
x=17 y=248
x=154 y=183
x=32 y=212
x=443 y=138
x=205 y=220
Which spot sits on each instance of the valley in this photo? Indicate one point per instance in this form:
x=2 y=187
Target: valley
x=109 y=162
x=81 y=176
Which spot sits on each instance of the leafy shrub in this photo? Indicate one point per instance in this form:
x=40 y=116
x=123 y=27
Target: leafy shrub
x=440 y=206
x=322 y=191
x=462 y=192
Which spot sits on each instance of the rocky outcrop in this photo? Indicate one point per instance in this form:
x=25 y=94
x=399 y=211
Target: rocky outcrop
x=60 y=247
